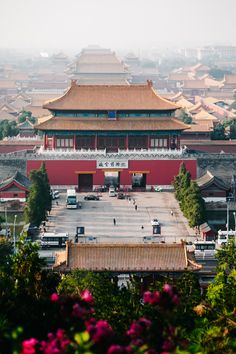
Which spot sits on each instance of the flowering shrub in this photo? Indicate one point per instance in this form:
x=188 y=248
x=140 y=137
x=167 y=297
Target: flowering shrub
x=151 y=334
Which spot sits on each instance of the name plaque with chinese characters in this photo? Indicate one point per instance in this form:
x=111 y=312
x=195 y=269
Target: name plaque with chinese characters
x=112 y=164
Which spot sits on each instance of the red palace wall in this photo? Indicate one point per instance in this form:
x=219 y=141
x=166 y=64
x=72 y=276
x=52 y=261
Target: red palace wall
x=5 y=194
x=65 y=172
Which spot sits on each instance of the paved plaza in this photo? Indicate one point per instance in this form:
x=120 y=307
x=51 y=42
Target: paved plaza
x=131 y=225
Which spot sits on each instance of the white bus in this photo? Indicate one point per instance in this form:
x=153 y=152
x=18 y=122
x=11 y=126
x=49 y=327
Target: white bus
x=71 y=199
x=52 y=239
x=225 y=236
x=204 y=249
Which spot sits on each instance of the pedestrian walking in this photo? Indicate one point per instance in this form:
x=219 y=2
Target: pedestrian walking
x=142 y=227
x=136 y=207
x=56 y=202
x=114 y=222
x=172 y=212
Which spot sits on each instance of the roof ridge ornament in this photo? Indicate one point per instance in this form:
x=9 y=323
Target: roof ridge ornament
x=73 y=82
x=149 y=83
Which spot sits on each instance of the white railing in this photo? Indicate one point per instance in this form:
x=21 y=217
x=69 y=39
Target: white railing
x=153 y=152
x=69 y=151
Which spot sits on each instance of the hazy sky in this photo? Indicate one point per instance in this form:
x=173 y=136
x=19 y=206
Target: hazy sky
x=118 y=24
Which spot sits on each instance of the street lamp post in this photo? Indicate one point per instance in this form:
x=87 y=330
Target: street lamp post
x=234 y=221
x=14 y=233
x=6 y=224
x=227 y=218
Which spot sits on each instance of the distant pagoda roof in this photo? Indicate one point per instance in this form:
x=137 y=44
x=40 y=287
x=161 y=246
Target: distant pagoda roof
x=19 y=179
x=208 y=179
x=99 y=124
x=110 y=97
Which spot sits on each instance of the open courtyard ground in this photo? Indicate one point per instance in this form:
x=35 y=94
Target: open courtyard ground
x=131 y=225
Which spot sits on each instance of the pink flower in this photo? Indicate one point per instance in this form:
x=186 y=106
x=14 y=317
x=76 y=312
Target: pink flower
x=151 y=298
x=116 y=349
x=29 y=346
x=167 y=288
x=175 y=300
x=135 y=330
x=87 y=296
x=167 y=345
x=78 y=311
x=99 y=331
x=145 y=322
x=54 y=297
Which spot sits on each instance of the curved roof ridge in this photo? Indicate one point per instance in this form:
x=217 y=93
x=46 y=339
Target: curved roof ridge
x=110 y=97
x=210 y=174
x=175 y=106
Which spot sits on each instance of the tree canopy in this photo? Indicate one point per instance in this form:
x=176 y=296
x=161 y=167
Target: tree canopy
x=8 y=128
x=39 y=199
x=189 y=196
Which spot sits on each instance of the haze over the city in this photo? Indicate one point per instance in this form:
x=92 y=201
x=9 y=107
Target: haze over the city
x=118 y=24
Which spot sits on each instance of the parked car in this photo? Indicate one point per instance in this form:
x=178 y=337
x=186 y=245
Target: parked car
x=55 y=194
x=91 y=197
x=120 y=195
x=155 y=222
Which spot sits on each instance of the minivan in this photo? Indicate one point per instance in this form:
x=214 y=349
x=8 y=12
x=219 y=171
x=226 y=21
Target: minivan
x=112 y=191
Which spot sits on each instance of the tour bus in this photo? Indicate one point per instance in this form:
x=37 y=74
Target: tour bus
x=225 y=236
x=204 y=249
x=71 y=199
x=52 y=239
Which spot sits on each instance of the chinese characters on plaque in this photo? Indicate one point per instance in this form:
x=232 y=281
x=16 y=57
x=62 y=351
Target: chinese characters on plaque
x=112 y=164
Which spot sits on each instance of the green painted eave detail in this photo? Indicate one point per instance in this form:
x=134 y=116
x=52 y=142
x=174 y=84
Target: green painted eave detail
x=111 y=133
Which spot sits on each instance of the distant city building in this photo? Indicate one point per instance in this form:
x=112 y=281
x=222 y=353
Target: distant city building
x=95 y=65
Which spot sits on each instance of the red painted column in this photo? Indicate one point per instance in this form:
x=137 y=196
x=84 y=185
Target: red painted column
x=45 y=141
x=74 y=142
x=178 y=142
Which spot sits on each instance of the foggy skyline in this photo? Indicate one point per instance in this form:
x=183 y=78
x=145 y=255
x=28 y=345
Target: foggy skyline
x=117 y=24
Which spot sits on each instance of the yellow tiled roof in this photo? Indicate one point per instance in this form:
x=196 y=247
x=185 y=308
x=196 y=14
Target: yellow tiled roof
x=128 y=257
x=110 y=97
x=78 y=124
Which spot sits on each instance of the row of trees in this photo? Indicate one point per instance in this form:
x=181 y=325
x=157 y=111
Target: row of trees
x=85 y=312
x=8 y=128
x=189 y=197
x=39 y=202
x=224 y=131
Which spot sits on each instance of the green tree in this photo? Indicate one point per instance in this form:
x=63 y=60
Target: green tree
x=117 y=305
x=227 y=256
x=181 y=182
x=232 y=128
x=185 y=117
x=35 y=210
x=39 y=200
x=194 y=206
x=8 y=128
x=26 y=115
x=189 y=196
x=46 y=188
x=218 y=132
